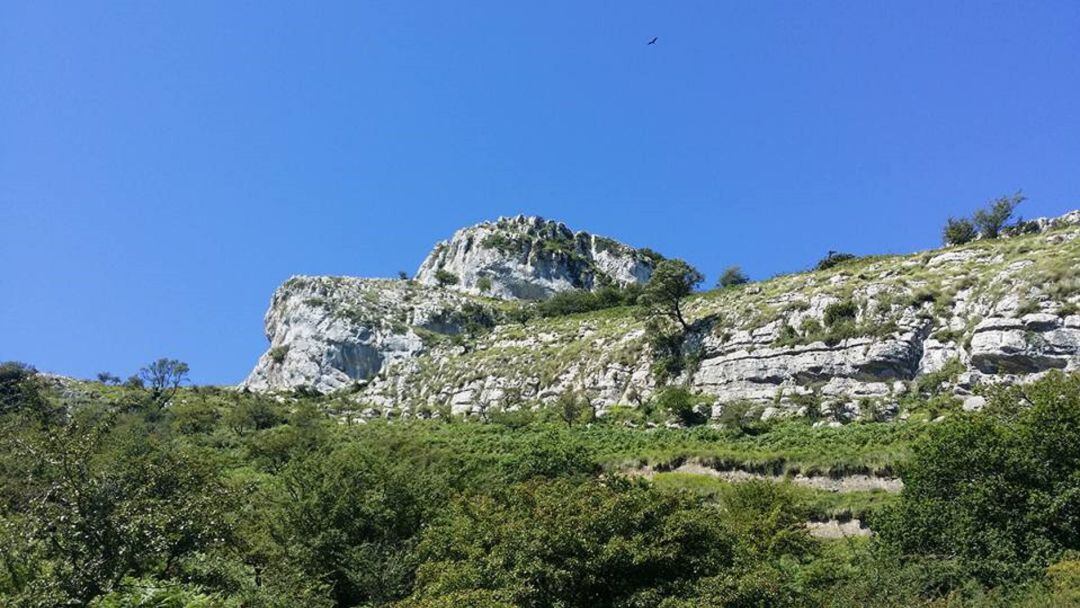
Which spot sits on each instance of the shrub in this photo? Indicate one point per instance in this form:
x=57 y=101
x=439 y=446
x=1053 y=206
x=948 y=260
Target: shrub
x=838 y=312
x=277 y=354
x=682 y=404
x=557 y=543
x=733 y=275
x=995 y=494
x=992 y=219
x=445 y=277
x=958 y=231
x=580 y=300
x=483 y=284
x=832 y=259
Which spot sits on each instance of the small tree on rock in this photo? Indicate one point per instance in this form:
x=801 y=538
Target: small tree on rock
x=671 y=282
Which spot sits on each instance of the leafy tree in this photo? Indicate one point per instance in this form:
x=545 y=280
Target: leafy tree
x=992 y=219
x=402 y=275
x=561 y=543
x=958 y=231
x=163 y=377
x=347 y=519
x=732 y=276
x=484 y=284
x=20 y=389
x=671 y=282
x=107 y=378
x=107 y=501
x=570 y=407
x=995 y=495
x=444 y=277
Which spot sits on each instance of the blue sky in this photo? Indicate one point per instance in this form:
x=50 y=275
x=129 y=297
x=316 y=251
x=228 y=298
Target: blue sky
x=165 y=165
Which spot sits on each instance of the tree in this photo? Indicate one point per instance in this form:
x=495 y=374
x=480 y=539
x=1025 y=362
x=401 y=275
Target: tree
x=995 y=494
x=671 y=282
x=992 y=219
x=20 y=389
x=445 y=277
x=958 y=231
x=565 y=543
x=164 y=376
x=570 y=407
x=107 y=378
x=733 y=275
x=402 y=275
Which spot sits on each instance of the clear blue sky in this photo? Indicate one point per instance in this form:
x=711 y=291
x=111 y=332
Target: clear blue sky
x=165 y=165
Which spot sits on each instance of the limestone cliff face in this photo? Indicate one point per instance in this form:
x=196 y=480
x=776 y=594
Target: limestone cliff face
x=860 y=335
x=330 y=333
x=530 y=258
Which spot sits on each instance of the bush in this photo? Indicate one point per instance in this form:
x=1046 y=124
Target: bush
x=733 y=275
x=992 y=219
x=958 y=231
x=995 y=494
x=483 y=284
x=682 y=404
x=832 y=259
x=445 y=277
x=277 y=354
x=579 y=300
x=558 y=543
x=838 y=312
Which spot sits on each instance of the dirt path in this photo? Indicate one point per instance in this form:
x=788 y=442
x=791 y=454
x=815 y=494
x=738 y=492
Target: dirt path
x=835 y=528
x=846 y=483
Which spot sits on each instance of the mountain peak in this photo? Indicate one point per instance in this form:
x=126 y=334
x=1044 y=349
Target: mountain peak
x=527 y=257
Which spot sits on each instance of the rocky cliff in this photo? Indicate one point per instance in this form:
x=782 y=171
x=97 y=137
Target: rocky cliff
x=844 y=341
x=531 y=258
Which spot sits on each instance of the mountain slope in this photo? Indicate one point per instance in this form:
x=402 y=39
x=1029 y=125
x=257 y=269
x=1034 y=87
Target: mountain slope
x=842 y=342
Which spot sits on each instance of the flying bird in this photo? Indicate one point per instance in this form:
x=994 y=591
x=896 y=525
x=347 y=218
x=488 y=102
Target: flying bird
x=653 y=41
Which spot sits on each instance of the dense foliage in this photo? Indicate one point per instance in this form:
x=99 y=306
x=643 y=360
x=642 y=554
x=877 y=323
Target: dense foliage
x=112 y=497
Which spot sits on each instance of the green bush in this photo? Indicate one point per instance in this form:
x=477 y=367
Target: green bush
x=277 y=354
x=838 y=312
x=834 y=258
x=994 y=218
x=445 y=278
x=732 y=276
x=680 y=403
x=995 y=494
x=958 y=231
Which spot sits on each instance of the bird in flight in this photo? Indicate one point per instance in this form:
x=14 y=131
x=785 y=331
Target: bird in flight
x=653 y=41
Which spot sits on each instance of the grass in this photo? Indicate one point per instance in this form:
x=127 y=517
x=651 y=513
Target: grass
x=821 y=505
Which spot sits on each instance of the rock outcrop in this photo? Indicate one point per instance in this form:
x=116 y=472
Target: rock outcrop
x=530 y=258
x=850 y=341
x=330 y=333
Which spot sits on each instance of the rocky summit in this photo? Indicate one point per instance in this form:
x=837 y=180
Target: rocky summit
x=850 y=340
x=530 y=258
